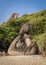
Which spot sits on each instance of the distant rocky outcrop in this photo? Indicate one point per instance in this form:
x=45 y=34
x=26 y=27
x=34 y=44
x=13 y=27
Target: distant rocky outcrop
x=23 y=44
x=13 y=16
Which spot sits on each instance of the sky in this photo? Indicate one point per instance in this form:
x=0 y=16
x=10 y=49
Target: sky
x=7 y=7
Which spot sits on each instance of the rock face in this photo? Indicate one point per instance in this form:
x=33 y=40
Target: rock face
x=25 y=28
x=32 y=47
x=15 y=47
x=13 y=16
x=23 y=44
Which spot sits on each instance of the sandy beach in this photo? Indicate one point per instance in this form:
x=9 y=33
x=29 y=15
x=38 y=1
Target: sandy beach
x=23 y=60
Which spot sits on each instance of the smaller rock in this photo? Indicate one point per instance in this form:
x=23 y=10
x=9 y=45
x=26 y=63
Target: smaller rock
x=3 y=53
x=13 y=16
x=25 y=28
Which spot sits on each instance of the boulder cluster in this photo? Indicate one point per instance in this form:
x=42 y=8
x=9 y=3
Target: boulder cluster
x=23 y=44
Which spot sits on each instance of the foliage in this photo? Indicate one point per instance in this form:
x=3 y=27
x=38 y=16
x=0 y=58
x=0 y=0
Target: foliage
x=10 y=29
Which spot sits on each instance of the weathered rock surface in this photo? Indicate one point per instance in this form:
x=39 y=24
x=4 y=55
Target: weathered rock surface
x=24 y=29
x=23 y=44
x=32 y=47
x=17 y=47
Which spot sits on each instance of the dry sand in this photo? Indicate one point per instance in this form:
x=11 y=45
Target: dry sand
x=23 y=60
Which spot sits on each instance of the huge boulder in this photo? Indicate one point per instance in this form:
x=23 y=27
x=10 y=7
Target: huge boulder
x=17 y=47
x=23 y=45
x=32 y=47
